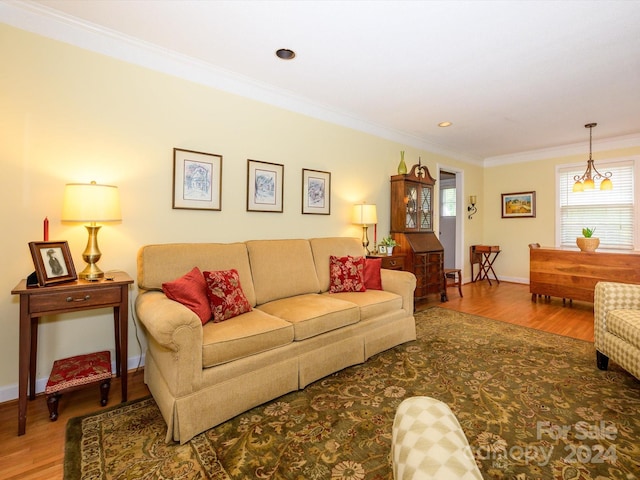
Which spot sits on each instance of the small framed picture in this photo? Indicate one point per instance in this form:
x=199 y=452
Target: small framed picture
x=53 y=262
x=197 y=180
x=264 y=186
x=520 y=204
x=316 y=192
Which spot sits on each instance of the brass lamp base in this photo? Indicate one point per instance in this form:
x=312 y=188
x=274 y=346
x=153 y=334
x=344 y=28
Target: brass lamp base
x=365 y=239
x=91 y=255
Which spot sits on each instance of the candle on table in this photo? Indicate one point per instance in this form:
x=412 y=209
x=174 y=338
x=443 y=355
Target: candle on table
x=46 y=229
x=375 y=233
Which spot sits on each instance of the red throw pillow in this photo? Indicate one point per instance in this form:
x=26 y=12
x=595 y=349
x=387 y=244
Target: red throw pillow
x=372 y=278
x=346 y=274
x=191 y=291
x=226 y=298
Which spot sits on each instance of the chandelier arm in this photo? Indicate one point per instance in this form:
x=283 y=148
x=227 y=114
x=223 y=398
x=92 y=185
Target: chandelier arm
x=587 y=173
x=598 y=175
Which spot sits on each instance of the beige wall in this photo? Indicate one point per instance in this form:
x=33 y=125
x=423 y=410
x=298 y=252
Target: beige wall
x=69 y=115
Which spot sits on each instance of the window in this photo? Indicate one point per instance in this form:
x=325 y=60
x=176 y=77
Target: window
x=448 y=201
x=610 y=212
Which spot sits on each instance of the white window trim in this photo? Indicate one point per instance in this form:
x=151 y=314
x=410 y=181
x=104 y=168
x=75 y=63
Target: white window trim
x=601 y=165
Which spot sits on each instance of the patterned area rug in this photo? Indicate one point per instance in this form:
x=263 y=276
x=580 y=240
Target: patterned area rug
x=533 y=406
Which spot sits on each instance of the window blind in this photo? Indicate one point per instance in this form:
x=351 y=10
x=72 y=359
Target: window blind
x=610 y=212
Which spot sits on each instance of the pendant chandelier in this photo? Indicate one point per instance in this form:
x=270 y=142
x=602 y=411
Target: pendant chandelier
x=587 y=180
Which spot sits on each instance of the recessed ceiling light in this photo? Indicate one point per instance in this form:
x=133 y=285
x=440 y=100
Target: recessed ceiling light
x=445 y=124
x=286 y=54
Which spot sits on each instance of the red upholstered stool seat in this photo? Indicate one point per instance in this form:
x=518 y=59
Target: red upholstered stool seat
x=75 y=372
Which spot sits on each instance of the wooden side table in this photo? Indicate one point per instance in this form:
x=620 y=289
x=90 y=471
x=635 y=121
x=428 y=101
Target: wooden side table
x=36 y=302
x=484 y=255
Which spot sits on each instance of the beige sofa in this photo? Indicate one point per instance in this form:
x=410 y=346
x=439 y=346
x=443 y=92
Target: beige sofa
x=617 y=325
x=296 y=333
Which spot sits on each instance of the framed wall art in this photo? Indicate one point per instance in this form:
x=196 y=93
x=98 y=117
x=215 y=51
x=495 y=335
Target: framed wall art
x=520 y=204
x=53 y=262
x=264 y=186
x=197 y=180
x=316 y=192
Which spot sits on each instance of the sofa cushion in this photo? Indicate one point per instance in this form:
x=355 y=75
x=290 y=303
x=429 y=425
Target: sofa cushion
x=243 y=336
x=191 y=291
x=372 y=276
x=625 y=324
x=281 y=269
x=323 y=248
x=346 y=274
x=313 y=314
x=372 y=303
x=166 y=262
x=225 y=294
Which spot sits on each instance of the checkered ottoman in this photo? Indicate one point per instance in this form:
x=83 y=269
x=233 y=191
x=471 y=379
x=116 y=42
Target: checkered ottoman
x=76 y=372
x=428 y=443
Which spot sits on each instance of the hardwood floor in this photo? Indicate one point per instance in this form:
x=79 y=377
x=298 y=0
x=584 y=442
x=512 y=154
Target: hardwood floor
x=511 y=302
x=40 y=452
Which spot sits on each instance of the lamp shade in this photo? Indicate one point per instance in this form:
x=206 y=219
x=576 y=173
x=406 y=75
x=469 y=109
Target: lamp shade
x=365 y=214
x=91 y=202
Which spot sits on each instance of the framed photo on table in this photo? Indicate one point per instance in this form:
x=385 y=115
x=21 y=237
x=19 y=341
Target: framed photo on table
x=53 y=262
x=264 y=186
x=520 y=204
x=197 y=180
x=316 y=192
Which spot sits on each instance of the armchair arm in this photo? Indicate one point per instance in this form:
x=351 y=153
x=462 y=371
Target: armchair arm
x=612 y=296
x=401 y=283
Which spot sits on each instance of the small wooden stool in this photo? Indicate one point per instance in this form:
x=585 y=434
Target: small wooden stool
x=453 y=278
x=76 y=372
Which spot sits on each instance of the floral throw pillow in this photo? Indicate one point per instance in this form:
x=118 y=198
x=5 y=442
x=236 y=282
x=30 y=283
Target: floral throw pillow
x=191 y=291
x=226 y=298
x=346 y=274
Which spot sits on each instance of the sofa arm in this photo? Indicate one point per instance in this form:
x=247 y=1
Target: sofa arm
x=175 y=340
x=163 y=318
x=612 y=296
x=401 y=283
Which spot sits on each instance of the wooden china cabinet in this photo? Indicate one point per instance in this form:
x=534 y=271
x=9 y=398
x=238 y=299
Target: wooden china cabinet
x=412 y=229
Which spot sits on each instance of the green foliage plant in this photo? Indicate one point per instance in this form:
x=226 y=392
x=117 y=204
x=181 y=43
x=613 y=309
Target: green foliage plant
x=388 y=242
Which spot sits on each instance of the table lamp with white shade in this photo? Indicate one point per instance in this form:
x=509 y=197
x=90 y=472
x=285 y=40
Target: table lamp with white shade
x=365 y=215
x=93 y=203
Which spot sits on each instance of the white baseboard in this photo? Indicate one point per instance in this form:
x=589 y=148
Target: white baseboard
x=10 y=392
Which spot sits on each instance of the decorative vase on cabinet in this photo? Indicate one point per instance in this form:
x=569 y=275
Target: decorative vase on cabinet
x=402 y=167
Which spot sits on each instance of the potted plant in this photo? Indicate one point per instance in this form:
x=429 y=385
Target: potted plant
x=388 y=243
x=588 y=243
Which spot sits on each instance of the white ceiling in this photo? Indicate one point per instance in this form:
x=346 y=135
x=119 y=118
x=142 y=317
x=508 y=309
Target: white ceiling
x=512 y=76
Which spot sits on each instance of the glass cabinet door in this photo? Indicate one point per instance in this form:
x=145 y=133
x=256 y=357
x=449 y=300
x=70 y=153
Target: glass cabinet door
x=418 y=213
x=411 y=201
x=426 y=217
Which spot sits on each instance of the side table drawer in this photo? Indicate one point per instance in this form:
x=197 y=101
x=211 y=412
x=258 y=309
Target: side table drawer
x=70 y=300
x=393 y=263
